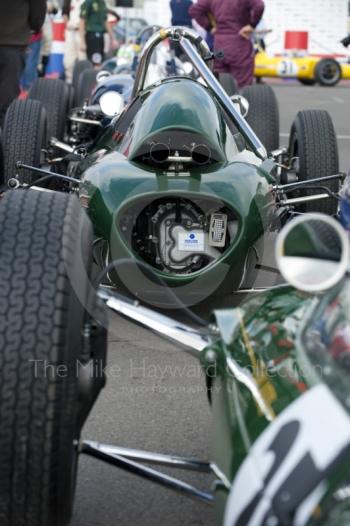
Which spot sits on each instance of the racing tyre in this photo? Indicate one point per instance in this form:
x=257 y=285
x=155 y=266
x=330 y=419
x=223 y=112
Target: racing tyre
x=70 y=96
x=79 y=67
x=86 y=84
x=263 y=114
x=314 y=143
x=54 y=96
x=43 y=292
x=328 y=72
x=229 y=84
x=307 y=82
x=23 y=137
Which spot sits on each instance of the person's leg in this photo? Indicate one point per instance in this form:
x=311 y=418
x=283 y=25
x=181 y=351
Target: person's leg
x=95 y=47
x=80 y=54
x=70 y=54
x=220 y=66
x=30 y=72
x=90 y=45
x=101 y=48
x=11 y=67
x=241 y=59
x=244 y=73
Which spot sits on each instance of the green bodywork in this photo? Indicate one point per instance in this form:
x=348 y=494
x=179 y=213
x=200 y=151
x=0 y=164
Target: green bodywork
x=267 y=337
x=115 y=177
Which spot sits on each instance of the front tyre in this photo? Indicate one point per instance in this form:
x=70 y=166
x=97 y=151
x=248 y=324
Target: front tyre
x=79 y=67
x=43 y=293
x=263 y=114
x=23 y=137
x=54 y=96
x=87 y=82
x=313 y=142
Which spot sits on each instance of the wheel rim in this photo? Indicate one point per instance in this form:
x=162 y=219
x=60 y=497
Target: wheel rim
x=329 y=72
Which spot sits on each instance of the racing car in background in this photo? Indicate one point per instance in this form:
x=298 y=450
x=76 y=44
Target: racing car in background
x=185 y=180
x=123 y=67
x=308 y=69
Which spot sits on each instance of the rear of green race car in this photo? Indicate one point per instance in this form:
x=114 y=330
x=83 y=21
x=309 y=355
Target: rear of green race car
x=177 y=190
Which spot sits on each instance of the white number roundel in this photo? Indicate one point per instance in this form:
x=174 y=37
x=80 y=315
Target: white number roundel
x=287 y=68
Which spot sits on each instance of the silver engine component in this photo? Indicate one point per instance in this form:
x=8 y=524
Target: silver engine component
x=182 y=245
x=180 y=236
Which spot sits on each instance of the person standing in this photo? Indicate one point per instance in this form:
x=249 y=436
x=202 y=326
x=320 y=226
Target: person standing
x=93 y=26
x=180 y=13
x=18 y=19
x=30 y=73
x=232 y=22
x=73 y=52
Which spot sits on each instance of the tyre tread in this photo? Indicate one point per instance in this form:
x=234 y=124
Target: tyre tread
x=263 y=115
x=37 y=245
x=54 y=96
x=319 y=153
x=22 y=138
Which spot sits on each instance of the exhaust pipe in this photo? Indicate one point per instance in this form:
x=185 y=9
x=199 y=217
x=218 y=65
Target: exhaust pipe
x=201 y=154
x=159 y=152
x=164 y=326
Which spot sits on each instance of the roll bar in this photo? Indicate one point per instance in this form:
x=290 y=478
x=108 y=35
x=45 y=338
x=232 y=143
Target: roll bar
x=174 y=33
x=197 y=52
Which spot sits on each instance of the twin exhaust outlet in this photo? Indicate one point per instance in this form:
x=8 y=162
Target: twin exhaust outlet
x=199 y=154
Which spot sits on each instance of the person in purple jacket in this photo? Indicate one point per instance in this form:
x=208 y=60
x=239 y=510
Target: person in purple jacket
x=232 y=22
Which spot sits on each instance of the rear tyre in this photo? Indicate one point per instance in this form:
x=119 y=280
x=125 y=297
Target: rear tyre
x=314 y=143
x=54 y=96
x=328 y=72
x=229 y=84
x=43 y=292
x=86 y=84
x=23 y=137
x=263 y=115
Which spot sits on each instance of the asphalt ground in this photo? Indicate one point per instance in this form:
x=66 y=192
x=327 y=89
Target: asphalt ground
x=155 y=397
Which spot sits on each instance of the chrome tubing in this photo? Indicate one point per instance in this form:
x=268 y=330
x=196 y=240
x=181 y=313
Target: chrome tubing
x=223 y=98
x=153 y=458
x=61 y=145
x=305 y=184
x=159 y=459
x=306 y=199
x=82 y=120
x=172 y=32
x=147 y=473
x=166 y=327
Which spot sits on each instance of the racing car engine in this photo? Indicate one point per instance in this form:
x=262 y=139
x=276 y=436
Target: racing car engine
x=181 y=236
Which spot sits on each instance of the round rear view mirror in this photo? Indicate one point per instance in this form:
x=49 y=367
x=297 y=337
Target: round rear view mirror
x=312 y=252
